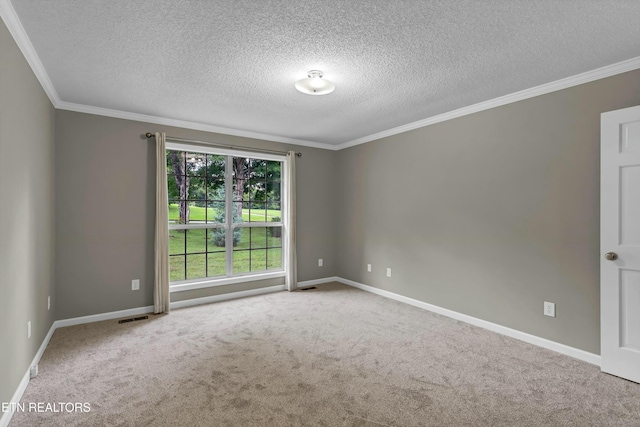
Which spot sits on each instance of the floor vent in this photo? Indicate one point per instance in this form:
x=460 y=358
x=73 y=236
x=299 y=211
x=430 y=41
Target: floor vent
x=308 y=289
x=133 y=319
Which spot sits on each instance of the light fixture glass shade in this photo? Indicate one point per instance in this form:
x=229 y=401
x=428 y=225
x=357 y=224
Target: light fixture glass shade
x=315 y=84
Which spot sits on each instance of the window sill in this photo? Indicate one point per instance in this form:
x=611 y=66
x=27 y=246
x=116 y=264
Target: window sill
x=211 y=282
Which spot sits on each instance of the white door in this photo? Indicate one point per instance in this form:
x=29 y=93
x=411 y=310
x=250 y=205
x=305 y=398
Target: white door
x=620 y=243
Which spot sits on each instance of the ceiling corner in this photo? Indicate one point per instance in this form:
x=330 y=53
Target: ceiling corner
x=11 y=20
x=586 y=77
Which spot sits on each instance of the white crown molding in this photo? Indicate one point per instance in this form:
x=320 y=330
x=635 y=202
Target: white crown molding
x=81 y=108
x=9 y=16
x=586 y=77
x=11 y=20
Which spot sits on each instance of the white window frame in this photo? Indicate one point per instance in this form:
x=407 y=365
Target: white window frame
x=190 y=284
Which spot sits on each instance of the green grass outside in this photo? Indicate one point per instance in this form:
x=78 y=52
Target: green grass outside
x=197 y=213
x=265 y=253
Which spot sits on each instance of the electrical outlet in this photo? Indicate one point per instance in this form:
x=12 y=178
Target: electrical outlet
x=369 y=268
x=49 y=303
x=549 y=309
x=29 y=329
x=388 y=272
x=320 y=262
x=135 y=285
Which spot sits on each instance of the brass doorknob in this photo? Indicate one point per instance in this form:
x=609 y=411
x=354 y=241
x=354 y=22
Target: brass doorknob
x=611 y=256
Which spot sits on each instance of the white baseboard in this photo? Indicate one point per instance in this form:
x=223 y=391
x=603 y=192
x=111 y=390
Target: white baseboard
x=103 y=316
x=522 y=336
x=43 y=346
x=225 y=297
x=5 y=417
x=178 y=304
x=17 y=396
x=314 y=282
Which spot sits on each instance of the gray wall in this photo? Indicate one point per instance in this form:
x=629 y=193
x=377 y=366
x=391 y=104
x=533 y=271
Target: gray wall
x=105 y=192
x=26 y=214
x=489 y=214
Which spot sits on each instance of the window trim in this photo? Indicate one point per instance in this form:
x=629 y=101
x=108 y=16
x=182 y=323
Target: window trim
x=206 y=282
x=182 y=146
x=187 y=285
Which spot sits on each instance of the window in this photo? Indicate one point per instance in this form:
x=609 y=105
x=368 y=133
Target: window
x=225 y=216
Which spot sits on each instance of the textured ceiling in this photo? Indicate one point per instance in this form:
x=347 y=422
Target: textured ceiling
x=233 y=63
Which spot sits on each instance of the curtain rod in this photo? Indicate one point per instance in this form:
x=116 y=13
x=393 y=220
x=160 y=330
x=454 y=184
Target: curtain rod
x=232 y=147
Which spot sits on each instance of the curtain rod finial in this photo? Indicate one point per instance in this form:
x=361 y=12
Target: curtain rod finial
x=149 y=135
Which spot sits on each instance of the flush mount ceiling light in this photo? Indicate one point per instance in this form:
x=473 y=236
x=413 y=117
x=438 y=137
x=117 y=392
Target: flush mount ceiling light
x=315 y=84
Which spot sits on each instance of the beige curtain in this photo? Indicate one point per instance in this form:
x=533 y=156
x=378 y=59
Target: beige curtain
x=161 y=282
x=291 y=279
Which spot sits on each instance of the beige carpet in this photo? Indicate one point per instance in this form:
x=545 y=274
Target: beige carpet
x=335 y=356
